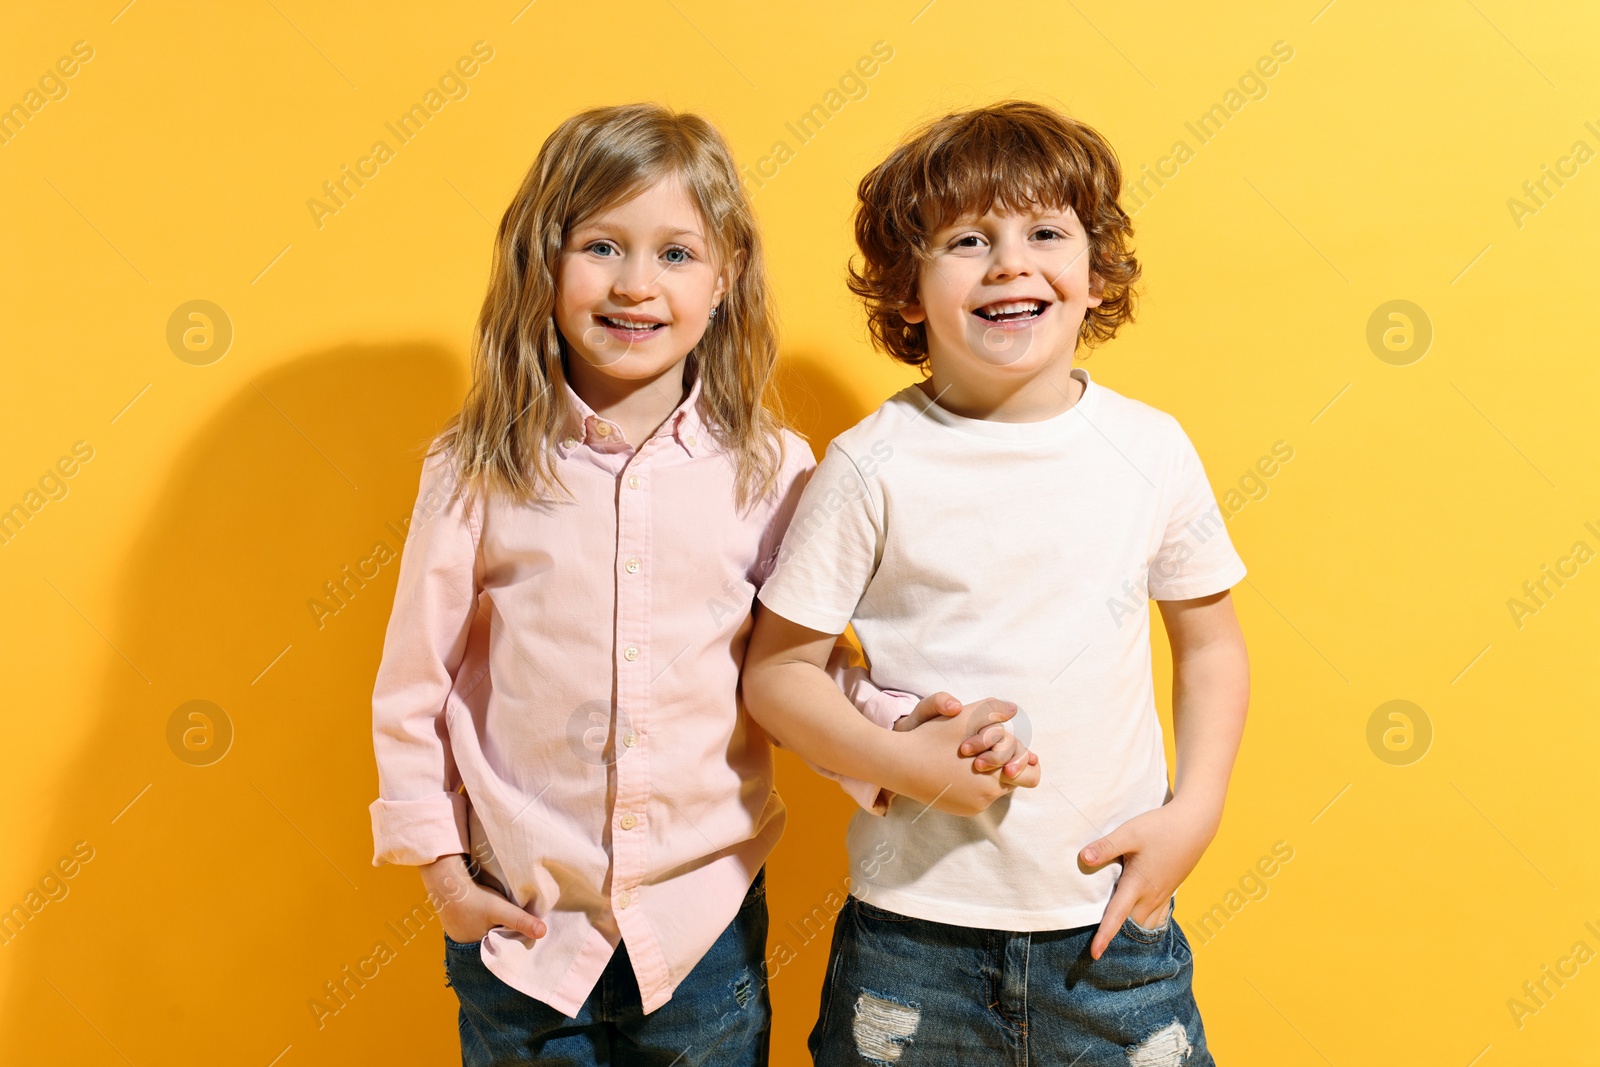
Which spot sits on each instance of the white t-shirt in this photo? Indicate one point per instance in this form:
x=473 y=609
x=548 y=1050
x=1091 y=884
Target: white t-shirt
x=1013 y=560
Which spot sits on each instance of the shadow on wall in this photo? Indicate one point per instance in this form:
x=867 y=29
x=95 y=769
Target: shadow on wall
x=230 y=911
x=220 y=898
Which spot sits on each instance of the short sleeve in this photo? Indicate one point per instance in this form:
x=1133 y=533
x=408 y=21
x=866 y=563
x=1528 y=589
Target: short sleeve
x=1196 y=557
x=830 y=550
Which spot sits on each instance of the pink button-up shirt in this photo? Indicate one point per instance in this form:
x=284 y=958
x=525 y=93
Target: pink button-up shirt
x=574 y=667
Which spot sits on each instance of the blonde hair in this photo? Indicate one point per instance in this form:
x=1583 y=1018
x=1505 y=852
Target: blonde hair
x=502 y=440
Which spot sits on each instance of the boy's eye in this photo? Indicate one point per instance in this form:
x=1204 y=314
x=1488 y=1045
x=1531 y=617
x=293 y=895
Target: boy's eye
x=971 y=240
x=1048 y=233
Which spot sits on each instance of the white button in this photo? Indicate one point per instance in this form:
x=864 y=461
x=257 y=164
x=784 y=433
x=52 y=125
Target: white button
x=603 y=429
x=632 y=565
x=633 y=481
x=631 y=652
x=689 y=440
x=624 y=900
x=571 y=442
x=630 y=739
x=628 y=821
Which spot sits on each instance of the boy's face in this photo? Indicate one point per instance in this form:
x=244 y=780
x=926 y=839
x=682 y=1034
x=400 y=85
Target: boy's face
x=1005 y=294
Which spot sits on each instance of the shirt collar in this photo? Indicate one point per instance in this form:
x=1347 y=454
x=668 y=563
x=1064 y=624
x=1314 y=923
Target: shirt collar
x=585 y=428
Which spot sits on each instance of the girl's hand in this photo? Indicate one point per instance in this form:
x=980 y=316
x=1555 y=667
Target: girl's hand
x=467 y=910
x=1158 y=849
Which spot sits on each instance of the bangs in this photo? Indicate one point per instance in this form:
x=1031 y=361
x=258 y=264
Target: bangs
x=621 y=167
x=988 y=162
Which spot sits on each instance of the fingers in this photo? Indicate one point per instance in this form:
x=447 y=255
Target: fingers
x=928 y=708
x=1105 y=850
x=505 y=913
x=1023 y=773
x=992 y=709
x=1123 y=900
x=1004 y=748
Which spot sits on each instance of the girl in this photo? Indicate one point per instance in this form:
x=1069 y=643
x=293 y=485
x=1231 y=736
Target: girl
x=557 y=697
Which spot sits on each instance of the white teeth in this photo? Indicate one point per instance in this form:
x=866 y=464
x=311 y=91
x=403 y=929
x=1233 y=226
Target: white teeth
x=1013 y=307
x=628 y=324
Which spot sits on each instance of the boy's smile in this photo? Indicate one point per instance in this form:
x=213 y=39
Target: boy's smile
x=1002 y=300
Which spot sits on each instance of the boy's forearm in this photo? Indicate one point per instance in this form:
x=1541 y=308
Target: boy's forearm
x=1210 y=694
x=802 y=707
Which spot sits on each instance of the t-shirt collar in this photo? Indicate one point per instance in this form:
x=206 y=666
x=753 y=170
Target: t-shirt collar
x=1050 y=429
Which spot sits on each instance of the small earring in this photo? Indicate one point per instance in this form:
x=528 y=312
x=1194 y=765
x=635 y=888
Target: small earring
x=713 y=312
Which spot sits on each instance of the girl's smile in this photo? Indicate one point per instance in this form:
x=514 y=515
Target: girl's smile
x=635 y=289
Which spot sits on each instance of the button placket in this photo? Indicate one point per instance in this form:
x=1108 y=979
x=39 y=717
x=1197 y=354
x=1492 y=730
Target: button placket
x=628 y=852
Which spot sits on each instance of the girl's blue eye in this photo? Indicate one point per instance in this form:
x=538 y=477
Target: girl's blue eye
x=600 y=248
x=682 y=253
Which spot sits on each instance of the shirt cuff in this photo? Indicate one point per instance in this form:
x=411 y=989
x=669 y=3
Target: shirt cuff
x=873 y=799
x=417 y=832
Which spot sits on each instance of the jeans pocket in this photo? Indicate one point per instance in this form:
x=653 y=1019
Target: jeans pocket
x=1149 y=935
x=460 y=946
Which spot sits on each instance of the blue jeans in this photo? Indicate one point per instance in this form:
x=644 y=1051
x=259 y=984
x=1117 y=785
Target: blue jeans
x=910 y=992
x=720 y=1014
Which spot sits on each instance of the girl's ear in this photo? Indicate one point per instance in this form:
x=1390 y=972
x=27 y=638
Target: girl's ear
x=731 y=269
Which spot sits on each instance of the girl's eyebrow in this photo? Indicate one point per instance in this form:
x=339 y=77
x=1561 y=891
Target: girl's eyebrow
x=661 y=234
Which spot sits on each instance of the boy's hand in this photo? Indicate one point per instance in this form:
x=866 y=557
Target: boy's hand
x=468 y=911
x=942 y=778
x=1158 y=849
x=991 y=745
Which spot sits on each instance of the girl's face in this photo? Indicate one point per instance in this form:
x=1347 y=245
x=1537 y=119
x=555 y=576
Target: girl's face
x=637 y=282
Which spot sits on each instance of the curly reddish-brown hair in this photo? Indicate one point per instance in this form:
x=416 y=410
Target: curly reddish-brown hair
x=1016 y=153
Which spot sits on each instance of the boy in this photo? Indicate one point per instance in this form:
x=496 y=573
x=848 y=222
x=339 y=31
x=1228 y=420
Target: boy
x=1000 y=528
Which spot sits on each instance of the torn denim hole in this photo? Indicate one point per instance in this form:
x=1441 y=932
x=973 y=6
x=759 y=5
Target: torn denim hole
x=1167 y=1047
x=884 y=1027
x=743 y=987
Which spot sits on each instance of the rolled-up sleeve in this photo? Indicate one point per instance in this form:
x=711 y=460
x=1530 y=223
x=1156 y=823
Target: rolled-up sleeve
x=885 y=707
x=420 y=814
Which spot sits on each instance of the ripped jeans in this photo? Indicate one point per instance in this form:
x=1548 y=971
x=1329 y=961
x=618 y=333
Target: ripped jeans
x=911 y=992
x=721 y=1013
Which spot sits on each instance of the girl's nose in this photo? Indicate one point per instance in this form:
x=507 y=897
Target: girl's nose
x=637 y=279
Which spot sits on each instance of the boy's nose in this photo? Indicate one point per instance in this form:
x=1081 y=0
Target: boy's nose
x=1009 y=260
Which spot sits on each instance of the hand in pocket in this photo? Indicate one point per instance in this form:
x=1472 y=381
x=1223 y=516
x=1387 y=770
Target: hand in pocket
x=467 y=910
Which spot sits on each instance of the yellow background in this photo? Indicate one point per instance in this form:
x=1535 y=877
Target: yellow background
x=1420 y=498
